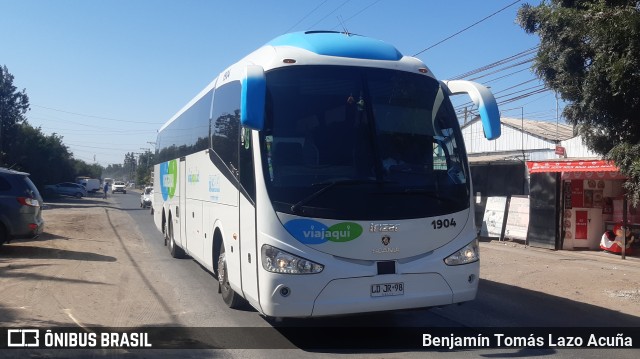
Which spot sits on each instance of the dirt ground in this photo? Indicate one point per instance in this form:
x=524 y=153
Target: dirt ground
x=593 y=277
x=89 y=269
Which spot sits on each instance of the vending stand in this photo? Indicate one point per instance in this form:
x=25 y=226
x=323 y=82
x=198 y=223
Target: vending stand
x=590 y=201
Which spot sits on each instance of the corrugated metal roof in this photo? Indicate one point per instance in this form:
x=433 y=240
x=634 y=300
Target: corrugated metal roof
x=489 y=158
x=547 y=130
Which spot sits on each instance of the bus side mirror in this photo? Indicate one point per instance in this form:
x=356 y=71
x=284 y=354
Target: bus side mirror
x=483 y=98
x=252 y=98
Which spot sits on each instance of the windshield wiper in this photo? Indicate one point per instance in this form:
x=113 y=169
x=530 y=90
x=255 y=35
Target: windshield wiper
x=330 y=184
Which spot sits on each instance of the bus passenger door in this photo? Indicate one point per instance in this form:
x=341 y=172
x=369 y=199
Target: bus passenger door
x=249 y=252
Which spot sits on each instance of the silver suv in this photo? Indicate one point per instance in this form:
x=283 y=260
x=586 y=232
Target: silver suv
x=20 y=206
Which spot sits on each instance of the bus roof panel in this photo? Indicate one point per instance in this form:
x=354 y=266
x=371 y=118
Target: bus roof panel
x=339 y=44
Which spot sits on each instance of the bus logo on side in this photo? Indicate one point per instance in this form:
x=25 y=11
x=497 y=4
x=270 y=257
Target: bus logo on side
x=168 y=179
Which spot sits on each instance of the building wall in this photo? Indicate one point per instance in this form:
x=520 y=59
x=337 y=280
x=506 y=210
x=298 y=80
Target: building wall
x=513 y=140
x=510 y=140
x=575 y=148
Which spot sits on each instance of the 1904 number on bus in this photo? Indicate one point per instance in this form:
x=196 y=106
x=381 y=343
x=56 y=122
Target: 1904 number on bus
x=443 y=223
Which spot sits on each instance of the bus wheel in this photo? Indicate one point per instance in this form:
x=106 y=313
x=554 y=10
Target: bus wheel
x=230 y=297
x=174 y=249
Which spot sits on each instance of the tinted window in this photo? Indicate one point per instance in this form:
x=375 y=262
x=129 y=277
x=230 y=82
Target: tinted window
x=386 y=142
x=4 y=184
x=30 y=188
x=225 y=123
x=187 y=134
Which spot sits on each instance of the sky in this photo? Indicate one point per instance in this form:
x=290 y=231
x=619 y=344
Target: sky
x=106 y=74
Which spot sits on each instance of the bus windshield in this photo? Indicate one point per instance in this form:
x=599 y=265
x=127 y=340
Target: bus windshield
x=361 y=143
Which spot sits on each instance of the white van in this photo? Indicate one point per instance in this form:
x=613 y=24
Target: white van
x=91 y=184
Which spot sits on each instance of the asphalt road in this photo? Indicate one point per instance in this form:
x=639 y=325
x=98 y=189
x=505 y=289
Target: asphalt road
x=192 y=302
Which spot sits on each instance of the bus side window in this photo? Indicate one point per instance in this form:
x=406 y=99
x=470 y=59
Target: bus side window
x=225 y=126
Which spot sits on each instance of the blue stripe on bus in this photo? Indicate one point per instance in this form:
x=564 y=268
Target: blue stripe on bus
x=339 y=44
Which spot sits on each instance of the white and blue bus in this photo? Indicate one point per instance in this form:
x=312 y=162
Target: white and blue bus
x=324 y=174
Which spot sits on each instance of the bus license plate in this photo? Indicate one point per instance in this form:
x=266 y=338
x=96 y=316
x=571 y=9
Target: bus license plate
x=387 y=289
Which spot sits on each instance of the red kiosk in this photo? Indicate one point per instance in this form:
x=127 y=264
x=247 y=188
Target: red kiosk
x=591 y=202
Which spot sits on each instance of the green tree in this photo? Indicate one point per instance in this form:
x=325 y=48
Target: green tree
x=590 y=55
x=145 y=167
x=46 y=158
x=25 y=148
x=130 y=165
x=13 y=107
x=88 y=170
x=115 y=171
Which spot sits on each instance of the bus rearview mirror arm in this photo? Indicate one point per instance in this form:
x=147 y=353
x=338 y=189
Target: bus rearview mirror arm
x=483 y=98
x=252 y=97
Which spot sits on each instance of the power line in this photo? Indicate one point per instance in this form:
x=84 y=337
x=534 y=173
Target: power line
x=359 y=12
x=500 y=66
x=71 y=144
x=467 y=28
x=98 y=117
x=535 y=92
x=503 y=69
x=505 y=76
x=497 y=63
x=329 y=14
x=514 y=86
x=123 y=132
x=306 y=16
x=532 y=88
x=68 y=121
x=466 y=104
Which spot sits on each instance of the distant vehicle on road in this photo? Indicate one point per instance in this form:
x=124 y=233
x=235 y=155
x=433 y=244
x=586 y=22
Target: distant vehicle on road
x=91 y=184
x=20 y=206
x=146 y=198
x=66 y=189
x=119 y=186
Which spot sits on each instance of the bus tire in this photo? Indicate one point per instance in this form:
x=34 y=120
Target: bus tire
x=174 y=249
x=229 y=296
x=215 y=253
x=165 y=229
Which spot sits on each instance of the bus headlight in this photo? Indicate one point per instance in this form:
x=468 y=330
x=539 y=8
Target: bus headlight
x=468 y=254
x=279 y=261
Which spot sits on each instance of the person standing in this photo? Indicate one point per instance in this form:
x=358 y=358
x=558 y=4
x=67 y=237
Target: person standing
x=105 y=189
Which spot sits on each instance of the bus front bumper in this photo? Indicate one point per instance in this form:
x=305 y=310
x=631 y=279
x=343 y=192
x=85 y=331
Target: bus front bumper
x=358 y=295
